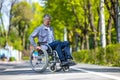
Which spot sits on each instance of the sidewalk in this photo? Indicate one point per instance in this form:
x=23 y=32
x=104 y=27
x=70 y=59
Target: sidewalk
x=10 y=62
x=8 y=65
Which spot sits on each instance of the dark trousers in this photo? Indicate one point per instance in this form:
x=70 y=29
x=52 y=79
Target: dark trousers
x=62 y=48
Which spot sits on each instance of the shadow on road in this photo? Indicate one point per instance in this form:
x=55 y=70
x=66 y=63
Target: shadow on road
x=102 y=69
x=31 y=72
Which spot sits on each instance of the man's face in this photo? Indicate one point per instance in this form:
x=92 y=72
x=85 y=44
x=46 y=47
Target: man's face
x=47 y=21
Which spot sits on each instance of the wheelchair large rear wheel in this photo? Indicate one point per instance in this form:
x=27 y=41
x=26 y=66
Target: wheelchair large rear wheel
x=39 y=60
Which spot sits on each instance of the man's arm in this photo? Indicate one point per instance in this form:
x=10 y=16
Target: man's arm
x=33 y=35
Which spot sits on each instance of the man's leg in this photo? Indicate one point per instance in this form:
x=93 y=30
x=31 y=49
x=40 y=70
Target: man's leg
x=66 y=46
x=56 y=45
x=68 y=56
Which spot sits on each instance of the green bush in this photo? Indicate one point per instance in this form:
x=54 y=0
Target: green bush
x=25 y=58
x=102 y=56
x=12 y=59
x=81 y=56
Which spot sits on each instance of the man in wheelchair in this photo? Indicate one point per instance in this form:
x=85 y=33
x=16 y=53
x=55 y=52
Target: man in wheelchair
x=45 y=35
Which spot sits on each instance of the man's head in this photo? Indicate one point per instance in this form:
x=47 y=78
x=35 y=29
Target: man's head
x=46 y=19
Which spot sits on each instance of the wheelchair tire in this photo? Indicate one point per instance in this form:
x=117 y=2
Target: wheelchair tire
x=53 y=68
x=39 y=60
x=65 y=68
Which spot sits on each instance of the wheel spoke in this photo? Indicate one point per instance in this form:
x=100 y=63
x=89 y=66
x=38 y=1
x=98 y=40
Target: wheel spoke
x=39 y=61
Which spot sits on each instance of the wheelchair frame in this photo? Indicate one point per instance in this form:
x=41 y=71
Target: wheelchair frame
x=42 y=59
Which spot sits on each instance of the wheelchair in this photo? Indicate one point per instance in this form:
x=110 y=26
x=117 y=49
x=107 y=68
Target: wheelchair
x=43 y=59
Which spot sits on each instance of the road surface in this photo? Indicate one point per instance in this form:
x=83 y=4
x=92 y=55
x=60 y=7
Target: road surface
x=23 y=71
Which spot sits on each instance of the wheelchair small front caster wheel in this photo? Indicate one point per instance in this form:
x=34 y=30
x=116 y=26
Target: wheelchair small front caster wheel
x=53 y=68
x=65 y=68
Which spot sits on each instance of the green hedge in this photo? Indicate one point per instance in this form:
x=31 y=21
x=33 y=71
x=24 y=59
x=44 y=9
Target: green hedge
x=26 y=58
x=12 y=59
x=103 y=56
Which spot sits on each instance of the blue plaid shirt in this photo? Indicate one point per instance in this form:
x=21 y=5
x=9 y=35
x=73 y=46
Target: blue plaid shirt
x=43 y=33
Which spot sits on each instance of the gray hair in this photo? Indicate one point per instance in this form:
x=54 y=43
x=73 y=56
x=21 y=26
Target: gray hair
x=46 y=16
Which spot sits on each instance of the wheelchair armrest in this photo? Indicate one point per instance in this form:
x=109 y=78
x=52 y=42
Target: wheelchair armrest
x=49 y=50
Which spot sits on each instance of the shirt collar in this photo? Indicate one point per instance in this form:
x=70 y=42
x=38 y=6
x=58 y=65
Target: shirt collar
x=45 y=27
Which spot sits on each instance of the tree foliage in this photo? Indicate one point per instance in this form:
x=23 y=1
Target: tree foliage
x=22 y=16
x=81 y=18
x=82 y=21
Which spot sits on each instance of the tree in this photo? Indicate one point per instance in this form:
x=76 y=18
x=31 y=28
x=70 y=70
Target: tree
x=75 y=16
x=1 y=19
x=37 y=10
x=111 y=8
x=102 y=24
x=21 y=19
x=2 y=29
x=12 y=3
x=80 y=18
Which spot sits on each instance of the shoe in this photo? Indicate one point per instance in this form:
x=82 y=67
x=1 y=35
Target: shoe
x=71 y=63
x=64 y=63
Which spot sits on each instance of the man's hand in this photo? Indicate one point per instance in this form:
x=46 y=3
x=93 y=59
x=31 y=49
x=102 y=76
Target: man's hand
x=31 y=47
x=37 y=47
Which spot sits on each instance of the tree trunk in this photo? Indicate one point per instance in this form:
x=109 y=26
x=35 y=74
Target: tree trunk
x=76 y=41
x=109 y=30
x=86 y=28
x=82 y=42
x=102 y=22
x=78 y=24
x=10 y=16
x=1 y=19
x=91 y=20
x=112 y=8
x=86 y=42
x=23 y=40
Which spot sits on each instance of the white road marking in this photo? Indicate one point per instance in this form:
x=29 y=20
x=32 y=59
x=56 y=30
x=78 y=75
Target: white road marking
x=18 y=69
x=98 y=73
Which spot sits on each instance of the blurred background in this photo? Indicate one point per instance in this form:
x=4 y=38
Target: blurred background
x=91 y=26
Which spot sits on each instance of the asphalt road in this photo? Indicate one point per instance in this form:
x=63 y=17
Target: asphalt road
x=23 y=71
